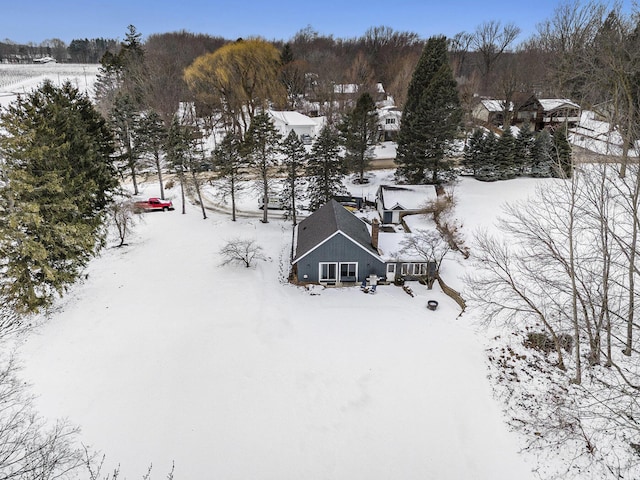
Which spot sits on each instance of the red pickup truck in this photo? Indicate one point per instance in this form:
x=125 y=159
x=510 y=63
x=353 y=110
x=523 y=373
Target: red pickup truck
x=153 y=204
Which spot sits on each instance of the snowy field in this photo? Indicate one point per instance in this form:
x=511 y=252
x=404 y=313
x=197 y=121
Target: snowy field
x=163 y=355
x=21 y=79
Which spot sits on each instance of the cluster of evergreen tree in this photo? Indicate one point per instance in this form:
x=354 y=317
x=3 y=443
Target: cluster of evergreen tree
x=57 y=181
x=541 y=154
x=314 y=175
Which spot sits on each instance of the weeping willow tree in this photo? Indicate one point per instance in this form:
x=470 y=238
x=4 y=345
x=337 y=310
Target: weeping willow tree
x=238 y=79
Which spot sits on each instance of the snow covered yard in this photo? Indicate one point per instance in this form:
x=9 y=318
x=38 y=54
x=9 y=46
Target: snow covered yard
x=163 y=355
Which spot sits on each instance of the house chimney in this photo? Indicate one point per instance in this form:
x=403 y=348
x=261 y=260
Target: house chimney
x=375 y=232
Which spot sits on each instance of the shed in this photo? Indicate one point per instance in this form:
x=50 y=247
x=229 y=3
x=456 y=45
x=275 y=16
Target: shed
x=395 y=201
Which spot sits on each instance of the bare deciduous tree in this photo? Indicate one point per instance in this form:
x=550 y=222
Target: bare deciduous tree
x=491 y=40
x=244 y=252
x=28 y=448
x=124 y=218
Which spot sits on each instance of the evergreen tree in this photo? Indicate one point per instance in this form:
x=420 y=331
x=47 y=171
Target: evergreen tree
x=185 y=160
x=523 y=149
x=177 y=148
x=294 y=157
x=262 y=144
x=430 y=118
x=562 y=151
x=488 y=168
x=230 y=167
x=472 y=159
x=325 y=169
x=360 y=134
x=542 y=161
x=124 y=121
x=505 y=156
x=58 y=182
x=122 y=73
x=152 y=136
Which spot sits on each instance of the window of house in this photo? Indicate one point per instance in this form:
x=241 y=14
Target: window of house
x=389 y=121
x=328 y=272
x=348 y=272
x=414 y=269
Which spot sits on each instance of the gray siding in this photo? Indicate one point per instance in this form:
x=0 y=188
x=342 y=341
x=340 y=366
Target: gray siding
x=339 y=249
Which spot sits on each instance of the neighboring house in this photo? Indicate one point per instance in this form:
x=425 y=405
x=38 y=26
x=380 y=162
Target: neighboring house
x=547 y=112
x=393 y=202
x=334 y=247
x=490 y=111
x=287 y=121
x=389 y=123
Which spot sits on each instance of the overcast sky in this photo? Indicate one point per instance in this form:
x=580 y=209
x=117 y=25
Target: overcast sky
x=38 y=20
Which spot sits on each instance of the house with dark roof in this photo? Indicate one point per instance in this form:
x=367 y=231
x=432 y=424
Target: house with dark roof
x=334 y=247
x=547 y=112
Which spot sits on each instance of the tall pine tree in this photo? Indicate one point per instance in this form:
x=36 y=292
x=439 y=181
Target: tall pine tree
x=262 y=144
x=294 y=157
x=325 y=169
x=151 y=133
x=360 y=134
x=430 y=118
x=59 y=180
x=230 y=167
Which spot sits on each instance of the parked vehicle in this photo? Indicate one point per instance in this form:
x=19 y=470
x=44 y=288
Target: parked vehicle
x=273 y=203
x=153 y=204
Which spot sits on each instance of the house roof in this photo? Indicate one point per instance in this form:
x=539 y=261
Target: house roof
x=493 y=105
x=406 y=197
x=549 y=104
x=292 y=118
x=329 y=220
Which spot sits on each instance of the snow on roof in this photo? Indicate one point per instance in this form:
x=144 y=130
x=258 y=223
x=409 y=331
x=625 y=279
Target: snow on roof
x=554 y=103
x=390 y=247
x=597 y=136
x=407 y=197
x=292 y=118
x=493 y=105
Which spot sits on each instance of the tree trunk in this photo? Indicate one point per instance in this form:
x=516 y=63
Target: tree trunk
x=196 y=185
x=160 y=181
x=265 y=194
x=233 y=198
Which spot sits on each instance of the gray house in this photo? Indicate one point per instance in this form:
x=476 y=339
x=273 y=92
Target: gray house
x=333 y=247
